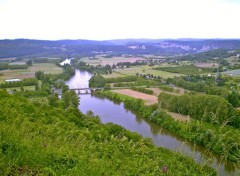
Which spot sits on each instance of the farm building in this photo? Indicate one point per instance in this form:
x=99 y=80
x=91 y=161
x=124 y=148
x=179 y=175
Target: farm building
x=12 y=80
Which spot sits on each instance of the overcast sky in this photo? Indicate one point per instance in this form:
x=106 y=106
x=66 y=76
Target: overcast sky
x=119 y=19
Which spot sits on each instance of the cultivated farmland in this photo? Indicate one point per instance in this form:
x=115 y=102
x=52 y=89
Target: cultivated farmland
x=30 y=71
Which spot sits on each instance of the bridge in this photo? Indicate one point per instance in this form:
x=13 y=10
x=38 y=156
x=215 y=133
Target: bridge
x=87 y=89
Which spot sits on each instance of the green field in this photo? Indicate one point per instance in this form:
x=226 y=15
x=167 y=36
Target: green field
x=113 y=75
x=25 y=88
x=232 y=72
x=232 y=59
x=30 y=72
x=145 y=70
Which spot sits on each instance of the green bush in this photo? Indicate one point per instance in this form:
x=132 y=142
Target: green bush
x=143 y=90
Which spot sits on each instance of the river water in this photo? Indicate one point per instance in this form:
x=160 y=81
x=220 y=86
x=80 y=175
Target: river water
x=110 y=111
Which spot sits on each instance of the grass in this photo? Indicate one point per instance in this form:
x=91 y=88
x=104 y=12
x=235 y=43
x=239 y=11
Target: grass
x=18 y=89
x=113 y=75
x=180 y=117
x=232 y=59
x=37 y=139
x=146 y=70
x=30 y=71
x=232 y=72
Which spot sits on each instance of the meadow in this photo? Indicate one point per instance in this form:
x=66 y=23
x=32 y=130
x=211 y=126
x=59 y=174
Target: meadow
x=232 y=72
x=113 y=75
x=145 y=70
x=48 y=68
x=25 y=88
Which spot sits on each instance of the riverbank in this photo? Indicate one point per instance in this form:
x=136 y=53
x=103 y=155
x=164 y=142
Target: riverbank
x=49 y=140
x=112 y=111
x=186 y=130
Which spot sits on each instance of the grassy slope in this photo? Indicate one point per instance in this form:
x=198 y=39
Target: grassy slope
x=40 y=140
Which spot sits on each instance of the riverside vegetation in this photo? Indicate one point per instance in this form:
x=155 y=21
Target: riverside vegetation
x=41 y=134
x=216 y=136
x=39 y=139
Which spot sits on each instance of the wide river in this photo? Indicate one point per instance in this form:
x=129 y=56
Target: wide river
x=109 y=111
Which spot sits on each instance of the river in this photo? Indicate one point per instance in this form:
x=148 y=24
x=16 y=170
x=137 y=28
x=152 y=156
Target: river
x=109 y=111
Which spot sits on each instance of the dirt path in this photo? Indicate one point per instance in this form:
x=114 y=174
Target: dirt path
x=157 y=91
x=149 y=99
x=180 y=117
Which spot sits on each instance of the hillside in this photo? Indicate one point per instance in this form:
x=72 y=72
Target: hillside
x=38 y=139
x=71 y=48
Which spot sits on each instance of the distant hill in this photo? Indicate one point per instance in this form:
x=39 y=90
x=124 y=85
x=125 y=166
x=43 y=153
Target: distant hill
x=71 y=48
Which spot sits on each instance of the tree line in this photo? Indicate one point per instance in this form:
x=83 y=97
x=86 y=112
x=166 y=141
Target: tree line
x=218 y=138
x=25 y=82
x=207 y=108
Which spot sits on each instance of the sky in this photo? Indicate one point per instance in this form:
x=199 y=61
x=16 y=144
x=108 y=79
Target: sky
x=119 y=19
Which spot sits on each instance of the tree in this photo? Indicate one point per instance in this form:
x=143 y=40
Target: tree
x=65 y=88
x=29 y=62
x=53 y=100
x=70 y=99
x=39 y=75
x=21 y=87
x=233 y=98
x=97 y=81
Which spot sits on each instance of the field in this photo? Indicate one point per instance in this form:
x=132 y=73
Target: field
x=232 y=72
x=149 y=99
x=157 y=91
x=146 y=70
x=110 y=61
x=206 y=65
x=30 y=72
x=113 y=75
x=233 y=59
x=18 y=89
